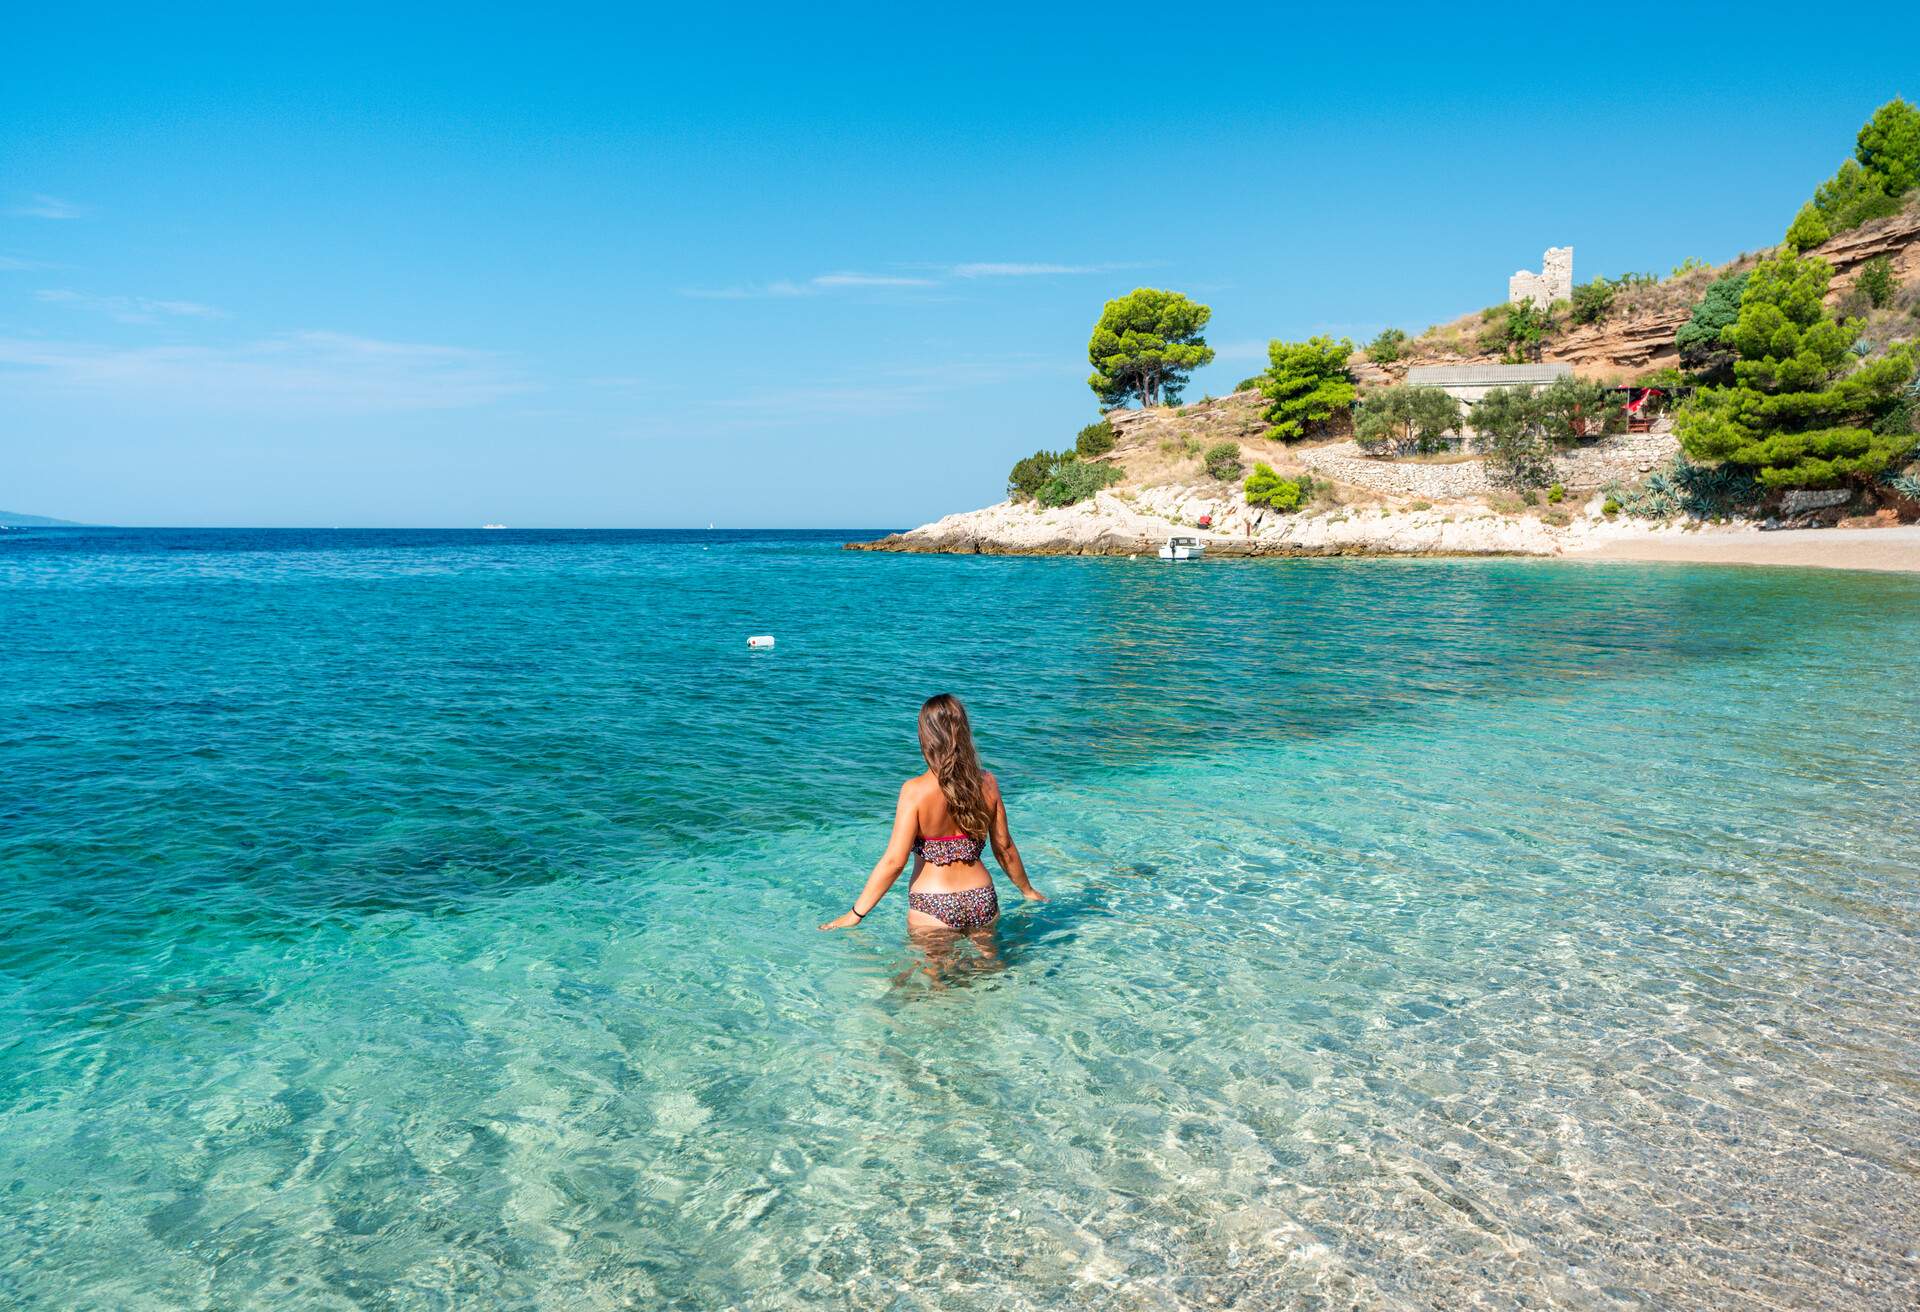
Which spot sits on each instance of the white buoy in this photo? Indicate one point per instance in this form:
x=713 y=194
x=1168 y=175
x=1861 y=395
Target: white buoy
x=760 y=640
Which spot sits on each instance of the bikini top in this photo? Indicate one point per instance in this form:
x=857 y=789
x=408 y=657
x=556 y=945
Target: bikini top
x=954 y=849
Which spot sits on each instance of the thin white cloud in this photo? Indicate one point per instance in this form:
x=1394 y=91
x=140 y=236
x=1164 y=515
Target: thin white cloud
x=50 y=207
x=814 y=286
x=129 y=309
x=938 y=275
x=989 y=270
x=18 y=264
x=868 y=280
x=316 y=371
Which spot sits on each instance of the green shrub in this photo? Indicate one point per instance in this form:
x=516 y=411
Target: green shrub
x=1689 y=265
x=1808 y=229
x=1889 y=145
x=1557 y=493
x=1527 y=330
x=1264 y=487
x=1800 y=412
x=1610 y=507
x=1876 y=282
x=1094 y=439
x=1853 y=196
x=1493 y=331
x=1592 y=300
x=1307 y=383
x=1249 y=384
x=1223 y=460
x=1518 y=331
x=1385 y=348
x=1903 y=416
x=1699 y=337
x=1420 y=505
x=1031 y=474
x=1075 y=480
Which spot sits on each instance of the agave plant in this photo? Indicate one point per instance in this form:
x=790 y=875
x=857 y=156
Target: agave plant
x=1684 y=488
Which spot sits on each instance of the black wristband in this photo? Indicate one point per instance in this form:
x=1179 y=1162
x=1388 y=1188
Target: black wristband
x=858 y=914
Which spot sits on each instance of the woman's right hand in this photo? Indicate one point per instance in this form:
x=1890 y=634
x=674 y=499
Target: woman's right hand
x=846 y=920
x=1032 y=894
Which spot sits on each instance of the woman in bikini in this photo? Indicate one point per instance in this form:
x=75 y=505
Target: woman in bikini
x=944 y=819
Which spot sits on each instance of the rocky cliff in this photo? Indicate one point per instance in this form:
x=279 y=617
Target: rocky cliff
x=1638 y=339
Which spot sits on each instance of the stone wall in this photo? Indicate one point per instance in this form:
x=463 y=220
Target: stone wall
x=1625 y=458
x=1553 y=283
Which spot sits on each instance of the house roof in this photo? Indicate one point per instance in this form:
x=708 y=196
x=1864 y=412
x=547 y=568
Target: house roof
x=1485 y=375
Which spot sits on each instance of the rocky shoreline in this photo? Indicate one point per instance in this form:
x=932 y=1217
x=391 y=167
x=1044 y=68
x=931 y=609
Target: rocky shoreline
x=1116 y=525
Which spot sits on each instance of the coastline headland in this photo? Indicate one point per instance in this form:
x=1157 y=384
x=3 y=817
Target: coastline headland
x=1211 y=469
x=1376 y=508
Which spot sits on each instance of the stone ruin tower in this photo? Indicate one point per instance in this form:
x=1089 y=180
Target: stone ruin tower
x=1553 y=283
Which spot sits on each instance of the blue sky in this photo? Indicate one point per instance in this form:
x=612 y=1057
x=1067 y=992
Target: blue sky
x=793 y=267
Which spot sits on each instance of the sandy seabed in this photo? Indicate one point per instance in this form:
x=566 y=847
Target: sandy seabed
x=1887 y=549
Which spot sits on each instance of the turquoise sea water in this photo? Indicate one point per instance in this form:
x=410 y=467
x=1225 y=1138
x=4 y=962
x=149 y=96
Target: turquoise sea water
x=425 y=920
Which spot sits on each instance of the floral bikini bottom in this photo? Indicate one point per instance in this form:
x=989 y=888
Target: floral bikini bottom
x=971 y=908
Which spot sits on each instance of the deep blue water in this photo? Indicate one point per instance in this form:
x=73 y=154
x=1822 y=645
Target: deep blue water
x=424 y=919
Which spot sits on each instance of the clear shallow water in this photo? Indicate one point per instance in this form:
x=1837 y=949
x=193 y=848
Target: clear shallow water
x=424 y=920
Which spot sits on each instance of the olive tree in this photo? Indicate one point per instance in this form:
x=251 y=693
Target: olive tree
x=1510 y=426
x=1573 y=410
x=1406 y=419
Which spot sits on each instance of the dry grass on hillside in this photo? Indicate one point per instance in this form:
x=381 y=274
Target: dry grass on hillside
x=1168 y=444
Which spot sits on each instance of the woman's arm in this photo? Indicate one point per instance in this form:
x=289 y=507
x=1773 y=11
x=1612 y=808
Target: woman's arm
x=1005 y=852
x=887 y=868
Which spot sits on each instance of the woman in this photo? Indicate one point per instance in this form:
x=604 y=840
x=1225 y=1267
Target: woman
x=943 y=819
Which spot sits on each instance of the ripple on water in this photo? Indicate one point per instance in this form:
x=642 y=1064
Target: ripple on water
x=422 y=921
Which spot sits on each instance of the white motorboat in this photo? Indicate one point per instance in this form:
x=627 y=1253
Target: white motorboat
x=1183 y=549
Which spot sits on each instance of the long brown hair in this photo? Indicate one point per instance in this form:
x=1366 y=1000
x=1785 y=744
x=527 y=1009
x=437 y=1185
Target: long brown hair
x=946 y=740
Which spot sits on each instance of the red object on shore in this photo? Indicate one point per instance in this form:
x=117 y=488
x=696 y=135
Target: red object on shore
x=1206 y=521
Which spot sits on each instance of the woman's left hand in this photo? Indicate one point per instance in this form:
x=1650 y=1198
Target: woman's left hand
x=847 y=920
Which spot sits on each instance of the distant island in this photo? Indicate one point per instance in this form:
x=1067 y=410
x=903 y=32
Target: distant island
x=1640 y=415
x=10 y=519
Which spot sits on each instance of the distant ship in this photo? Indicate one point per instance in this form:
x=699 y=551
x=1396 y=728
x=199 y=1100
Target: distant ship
x=493 y=526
